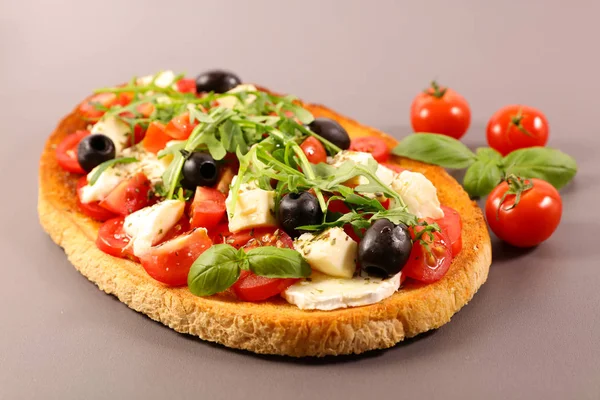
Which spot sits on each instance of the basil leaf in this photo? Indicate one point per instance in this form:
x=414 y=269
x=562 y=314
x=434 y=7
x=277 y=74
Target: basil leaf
x=551 y=165
x=275 y=262
x=435 y=149
x=488 y=154
x=215 y=270
x=107 y=164
x=482 y=177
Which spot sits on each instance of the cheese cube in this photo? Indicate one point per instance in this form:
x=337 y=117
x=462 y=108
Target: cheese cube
x=419 y=194
x=254 y=208
x=332 y=252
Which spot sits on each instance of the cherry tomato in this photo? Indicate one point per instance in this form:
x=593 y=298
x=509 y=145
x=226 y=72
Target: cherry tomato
x=517 y=127
x=93 y=209
x=66 y=152
x=532 y=220
x=88 y=109
x=180 y=127
x=113 y=240
x=186 y=85
x=180 y=228
x=170 y=261
x=314 y=150
x=451 y=223
x=251 y=287
x=428 y=265
x=440 y=110
x=208 y=208
x=373 y=145
x=156 y=139
x=129 y=196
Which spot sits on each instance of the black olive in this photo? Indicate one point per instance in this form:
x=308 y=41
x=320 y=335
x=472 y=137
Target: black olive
x=385 y=248
x=93 y=150
x=332 y=131
x=297 y=209
x=217 y=81
x=200 y=169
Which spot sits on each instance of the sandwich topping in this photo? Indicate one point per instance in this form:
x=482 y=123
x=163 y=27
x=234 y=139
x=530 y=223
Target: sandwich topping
x=223 y=187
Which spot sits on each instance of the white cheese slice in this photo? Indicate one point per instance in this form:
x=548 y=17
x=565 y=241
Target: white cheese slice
x=149 y=225
x=148 y=163
x=323 y=292
x=419 y=194
x=385 y=174
x=331 y=252
x=254 y=208
x=163 y=80
x=106 y=182
x=232 y=101
x=116 y=129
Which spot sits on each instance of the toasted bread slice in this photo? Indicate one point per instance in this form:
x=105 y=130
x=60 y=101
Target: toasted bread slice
x=272 y=327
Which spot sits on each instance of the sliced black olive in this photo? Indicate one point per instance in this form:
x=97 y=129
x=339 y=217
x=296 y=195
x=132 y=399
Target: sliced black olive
x=332 y=131
x=93 y=150
x=385 y=248
x=217 y=81
x=200 y=169
x=297 y=209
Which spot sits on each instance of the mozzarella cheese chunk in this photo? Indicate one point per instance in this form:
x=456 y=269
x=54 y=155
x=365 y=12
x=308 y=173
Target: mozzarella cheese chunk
x=147 y=226
x=148 y=163
x=323 y=292
x=106 y=182
x=331 y=252
x=254 y=208
x=385 y=174
x=163 y=80
x=232 y=101
x=116 y=130
x=419 y=194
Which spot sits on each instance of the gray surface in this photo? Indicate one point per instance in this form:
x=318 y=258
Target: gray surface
x=532 y=330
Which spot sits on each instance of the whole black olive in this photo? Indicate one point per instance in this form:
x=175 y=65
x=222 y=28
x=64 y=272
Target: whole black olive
x=200 y=169
x=385 y=248
x=93 y=150
x=217 y=81
x=332 y=131
x=297 y=209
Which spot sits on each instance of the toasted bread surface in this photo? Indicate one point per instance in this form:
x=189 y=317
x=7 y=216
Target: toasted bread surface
x=272 y=327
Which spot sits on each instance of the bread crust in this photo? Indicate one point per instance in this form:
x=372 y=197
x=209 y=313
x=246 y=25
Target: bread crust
x=273 y=327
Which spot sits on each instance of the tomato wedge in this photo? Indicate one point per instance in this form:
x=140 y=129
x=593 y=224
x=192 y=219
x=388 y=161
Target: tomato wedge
x=89 y=110
x=66 y=152
x=314 y=150
x=93 y=209
x=251 y=287
x=186 y=85
x=180 y=127
x=113 y=240
x=371 y=144
x=170 y=262
x=429 y=266
x=129 y=196
x=156 y=139
x=208 y=208
x=451 y=223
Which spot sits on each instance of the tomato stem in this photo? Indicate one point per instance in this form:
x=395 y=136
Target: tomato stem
x=516 y=121
x=516 y=186
x=435 y=90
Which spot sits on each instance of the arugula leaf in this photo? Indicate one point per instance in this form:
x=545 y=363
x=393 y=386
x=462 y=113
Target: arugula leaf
x=435 y=149
x=275 y=262
x=232 y=137
x=551 y=165
x=396 y=216
x=107 y=164
x=215 y=270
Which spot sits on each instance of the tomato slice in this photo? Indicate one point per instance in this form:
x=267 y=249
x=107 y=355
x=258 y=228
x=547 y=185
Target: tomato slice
x=186 y=85
x=170 y=262
x=156 y=139
x=208 y=208
x=113 y=240
x=88 y=109
x=93 y=209
x=314 y=150
x=394 y=167
x=180 y=127
x=251 y=287
x=129 y=196
x=66 y=152
x=451 y=223
x=429 y=266
x=373 y=145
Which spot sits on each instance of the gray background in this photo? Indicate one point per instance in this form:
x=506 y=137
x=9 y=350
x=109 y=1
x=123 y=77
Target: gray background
x=532 y=330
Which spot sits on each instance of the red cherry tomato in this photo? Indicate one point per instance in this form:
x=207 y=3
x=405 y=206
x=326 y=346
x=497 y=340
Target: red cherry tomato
x=208 y=208
x=451 y=223
x=156 y=139
x=440 y=110
x=251 y=287
x=93 y=209
x=517 y=127
x=373 y=145
x=129 y=196
x=186 y=85
x=89 y=110
x=180 y=127
x=66 y=152
x=314 y=150
x=429 y=265
x=170 y=262
x=113 y=240
x=531 y=221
